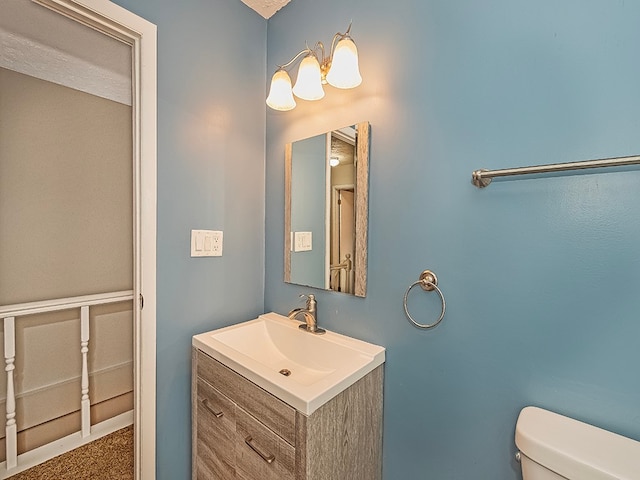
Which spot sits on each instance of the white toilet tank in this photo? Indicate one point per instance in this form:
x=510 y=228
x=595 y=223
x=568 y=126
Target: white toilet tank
x=554 y=447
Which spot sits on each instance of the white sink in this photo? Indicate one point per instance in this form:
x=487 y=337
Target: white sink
x=320 y=366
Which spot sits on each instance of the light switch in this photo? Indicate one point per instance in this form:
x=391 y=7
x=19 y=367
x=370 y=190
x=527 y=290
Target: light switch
x=306 y=241
x=206 y=243
x=302 y=241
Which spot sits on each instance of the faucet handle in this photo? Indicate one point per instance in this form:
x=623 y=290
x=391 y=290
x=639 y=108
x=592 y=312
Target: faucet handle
x=311 y=300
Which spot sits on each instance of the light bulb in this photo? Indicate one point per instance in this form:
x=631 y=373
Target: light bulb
x=344 y=71
x=280 y=96
x=308 y=84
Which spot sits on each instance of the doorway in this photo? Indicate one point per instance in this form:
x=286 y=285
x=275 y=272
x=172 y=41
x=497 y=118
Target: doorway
x=107 y=20
x=343 y=236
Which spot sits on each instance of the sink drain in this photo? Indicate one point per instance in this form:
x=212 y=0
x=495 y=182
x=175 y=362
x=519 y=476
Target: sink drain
x=285 y=372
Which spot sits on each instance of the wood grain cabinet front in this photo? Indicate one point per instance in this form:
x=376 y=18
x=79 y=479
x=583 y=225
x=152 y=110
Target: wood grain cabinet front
x=242 y=432
x=260 y=453
x=215 y=434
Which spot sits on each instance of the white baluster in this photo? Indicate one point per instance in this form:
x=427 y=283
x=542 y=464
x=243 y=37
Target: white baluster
x=85 y=404
x=9 y=358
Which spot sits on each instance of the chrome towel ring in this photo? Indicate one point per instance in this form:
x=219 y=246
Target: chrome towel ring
x=428 y=282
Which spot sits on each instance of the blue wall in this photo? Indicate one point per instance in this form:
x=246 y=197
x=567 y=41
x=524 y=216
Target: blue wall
x=308 y=171
x=541 y=275
x=211 y=91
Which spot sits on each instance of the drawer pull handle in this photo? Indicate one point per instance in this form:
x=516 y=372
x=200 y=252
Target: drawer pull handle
x=267 y=458
x=206 y=404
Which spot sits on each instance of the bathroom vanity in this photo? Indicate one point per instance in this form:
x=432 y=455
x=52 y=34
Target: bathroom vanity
x=248 y=428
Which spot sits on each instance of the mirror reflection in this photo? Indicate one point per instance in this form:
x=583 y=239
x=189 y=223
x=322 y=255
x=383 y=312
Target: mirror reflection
x=326 y=199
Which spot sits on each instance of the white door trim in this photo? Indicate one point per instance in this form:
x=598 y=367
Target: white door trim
x=119 y=23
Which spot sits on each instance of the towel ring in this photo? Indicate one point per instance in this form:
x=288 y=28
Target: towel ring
x=428 y=282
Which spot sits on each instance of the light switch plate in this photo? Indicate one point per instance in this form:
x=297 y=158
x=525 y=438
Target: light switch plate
x=302 y=242
x=206 y=243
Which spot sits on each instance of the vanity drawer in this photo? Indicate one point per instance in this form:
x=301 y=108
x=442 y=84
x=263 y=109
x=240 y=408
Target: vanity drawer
x=273 y=412
x=215 y=434
x=261 y=454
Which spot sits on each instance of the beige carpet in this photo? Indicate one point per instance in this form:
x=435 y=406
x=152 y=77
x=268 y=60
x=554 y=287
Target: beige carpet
x=108 y=458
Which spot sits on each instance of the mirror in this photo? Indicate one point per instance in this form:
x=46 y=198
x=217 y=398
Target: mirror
x=326 y=210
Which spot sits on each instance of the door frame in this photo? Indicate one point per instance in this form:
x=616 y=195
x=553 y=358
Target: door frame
x=141 y=35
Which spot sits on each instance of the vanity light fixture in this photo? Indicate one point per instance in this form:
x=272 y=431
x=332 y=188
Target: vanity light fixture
x=334 y=161
x=340 y=70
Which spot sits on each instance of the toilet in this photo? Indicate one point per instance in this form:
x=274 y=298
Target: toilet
x=554 y=447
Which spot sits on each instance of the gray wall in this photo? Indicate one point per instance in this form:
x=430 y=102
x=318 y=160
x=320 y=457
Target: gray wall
x=65 y=230
x=65 y=192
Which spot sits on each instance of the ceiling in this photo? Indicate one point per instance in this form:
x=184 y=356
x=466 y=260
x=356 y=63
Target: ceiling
x=266 y=8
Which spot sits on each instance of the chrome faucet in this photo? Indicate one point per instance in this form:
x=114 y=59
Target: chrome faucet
x=309 y=314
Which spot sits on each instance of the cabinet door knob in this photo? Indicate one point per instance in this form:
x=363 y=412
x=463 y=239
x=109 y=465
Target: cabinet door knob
x=269 y=458
x=208 y=406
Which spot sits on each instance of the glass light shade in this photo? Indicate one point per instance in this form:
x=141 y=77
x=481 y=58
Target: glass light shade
x=280 y=96
x=334 y=161
x=309 y=82
x=344 y=71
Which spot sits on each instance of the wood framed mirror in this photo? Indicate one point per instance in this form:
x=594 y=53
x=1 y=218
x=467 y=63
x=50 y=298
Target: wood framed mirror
x=326 y=210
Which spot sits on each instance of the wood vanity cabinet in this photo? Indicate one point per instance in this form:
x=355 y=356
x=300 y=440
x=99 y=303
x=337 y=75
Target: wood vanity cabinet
x=241 y=431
